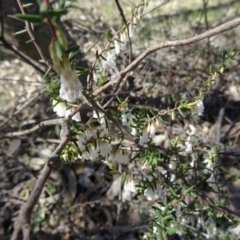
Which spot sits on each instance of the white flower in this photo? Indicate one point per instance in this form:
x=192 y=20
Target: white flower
x=90 y=133
x=198 y=110
x=130 y=186
x=130 y=29
x=62 y=110
x=209 y=166
x=153 y=194
x=125 y=118
x=71 y=88
x=99 y=116
x=151 y=130
x=81 y=142
x=123 y=39
x=59 y=108
x=192 y=163
x=188 y=145
x=191 y=131
x=144 y=138
x=119 y=156
x=117 y=47
x=104 y=148
x=162 y=170
x=172 y=165
x=70 y=91
x=134 y=131
x=111 y=57
x=95 y=80
x=93 y=151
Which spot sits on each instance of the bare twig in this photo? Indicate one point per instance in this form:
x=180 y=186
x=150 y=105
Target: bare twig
x=125 y=22
x=33 y=129
x=215 y=31
x=22 y=223
x=32 y=36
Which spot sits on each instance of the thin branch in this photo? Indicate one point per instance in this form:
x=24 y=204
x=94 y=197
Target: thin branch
x=24 y=57
x=125 y=22
x=33 y=129
x=22 y=223
x=175 y=43
x=32 y=36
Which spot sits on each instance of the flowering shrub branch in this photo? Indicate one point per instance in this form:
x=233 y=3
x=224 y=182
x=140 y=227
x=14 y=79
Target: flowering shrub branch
x=167 y=176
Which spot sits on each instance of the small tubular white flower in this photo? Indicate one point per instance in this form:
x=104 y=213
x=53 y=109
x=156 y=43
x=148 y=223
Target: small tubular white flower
x=93 y=151
x=191 y=131
x=188 y=145
x=209 y=166
x=144 y=138
x=111 y=58
x=62 y=110
x=99 y=116
x=134 y=131
x=59 y=108
x=153 y=194
x=70 y=90
x=104 y=148
x=119 y=156
x=123 y=39
x=130 y=186
x=130 y=29
x=162 y=170
x=172 y=165
x=81 y=142
x=71 y=87
x=151 y=130
x=192 y=163
x=198 y=110
x=117 y=47
x=135 y=20
x=125 y=117
x=95 y=80
x=90 y=133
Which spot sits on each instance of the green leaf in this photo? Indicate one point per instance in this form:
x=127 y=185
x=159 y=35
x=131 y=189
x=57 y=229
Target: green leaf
x=27 y=5
x=173 y=192
x=57 y=13
x=44 y=9
x=186 y=191
x=73 y=49
x=30 y=41
x=72 y=55
x=108 y=38
x=58 y=49
x=33 y=18
x=20 y=32
x=46 y=73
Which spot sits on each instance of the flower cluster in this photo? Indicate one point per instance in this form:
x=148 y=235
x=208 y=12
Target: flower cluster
x=92 y=148
x=149 y=131
x=118 y=43
x=71 y=88
x=70 y=91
